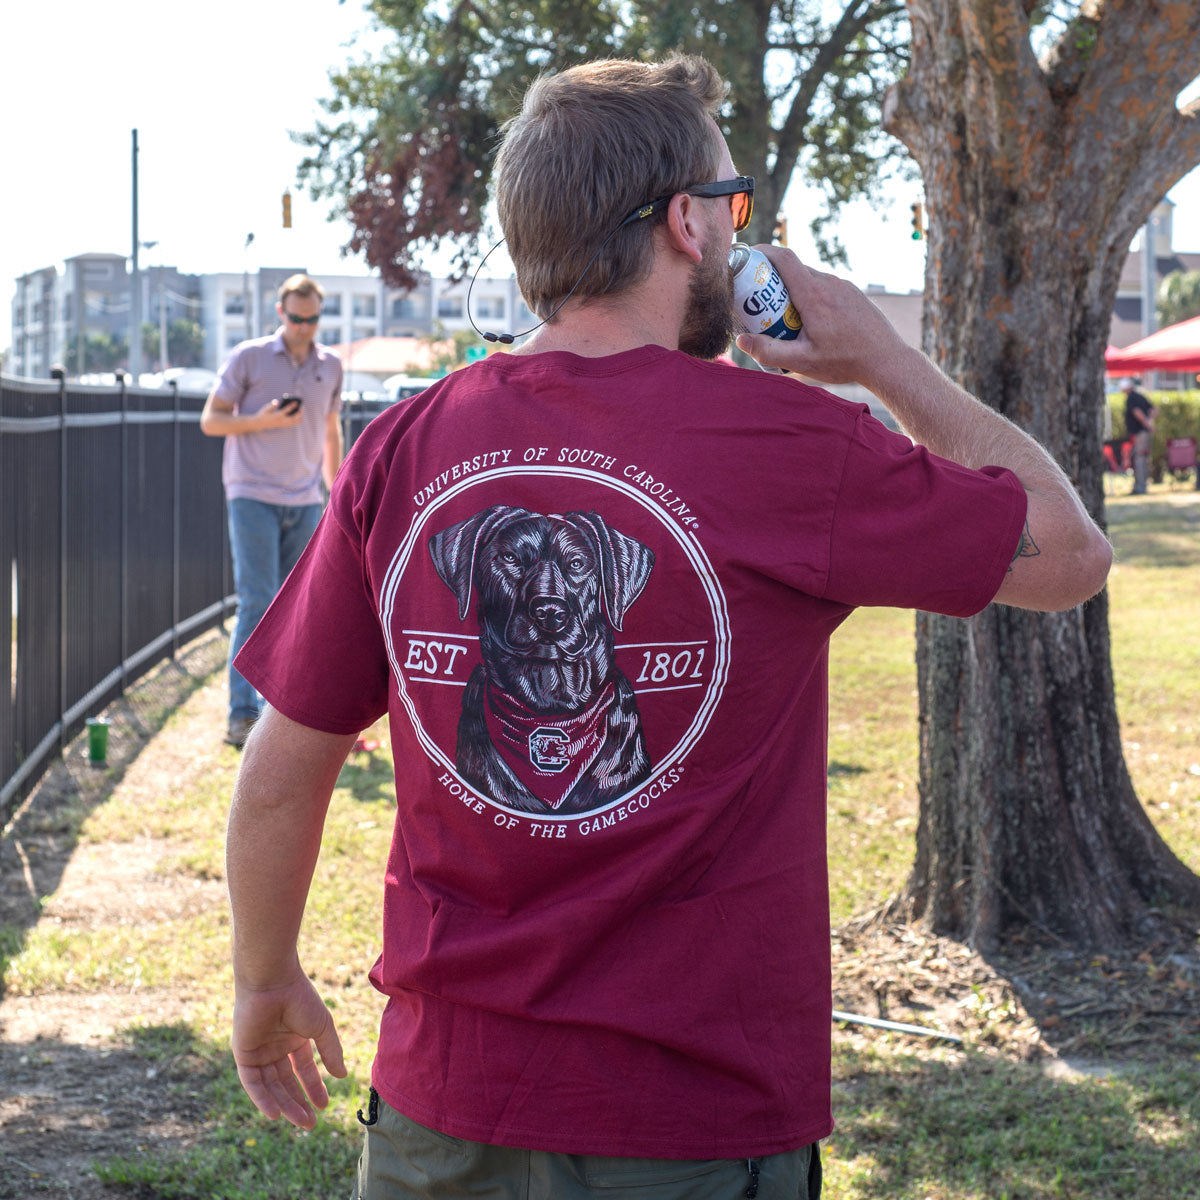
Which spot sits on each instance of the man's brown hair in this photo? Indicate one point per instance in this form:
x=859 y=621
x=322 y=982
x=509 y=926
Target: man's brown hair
x=300 y=285
x=589 y=145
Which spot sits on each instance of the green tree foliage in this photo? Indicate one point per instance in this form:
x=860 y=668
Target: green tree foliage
x=150 y=341
x=1178 y=297
x=101 y=352
x=185 y=343
x=406 y=149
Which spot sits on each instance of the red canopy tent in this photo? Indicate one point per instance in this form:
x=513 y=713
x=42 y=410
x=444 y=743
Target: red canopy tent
x=1176 y=348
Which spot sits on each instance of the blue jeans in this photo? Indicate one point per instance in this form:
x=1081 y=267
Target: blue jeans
x=266 y=540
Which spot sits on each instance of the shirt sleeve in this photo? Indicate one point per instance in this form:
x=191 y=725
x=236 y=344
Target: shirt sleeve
x=231 y=381
x=912 y=530
x=318 y=654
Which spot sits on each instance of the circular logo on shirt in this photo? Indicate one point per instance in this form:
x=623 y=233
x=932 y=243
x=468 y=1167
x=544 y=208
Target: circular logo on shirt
x=557 y=656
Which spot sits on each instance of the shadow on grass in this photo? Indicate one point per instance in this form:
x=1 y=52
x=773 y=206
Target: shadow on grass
x=369 y=776
x=1158 y=530
x=980 y=1126
x=157 y=1112
x=841 y=770
x=40 y=837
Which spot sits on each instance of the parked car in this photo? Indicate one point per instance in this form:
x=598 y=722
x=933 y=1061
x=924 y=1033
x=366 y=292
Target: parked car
x=402 y=387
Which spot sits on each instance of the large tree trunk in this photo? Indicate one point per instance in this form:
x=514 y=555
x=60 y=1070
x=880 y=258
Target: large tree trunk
x=1036 y=179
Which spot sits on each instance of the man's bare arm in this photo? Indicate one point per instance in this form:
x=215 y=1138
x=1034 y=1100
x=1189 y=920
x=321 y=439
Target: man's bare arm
x=334 y=449
x=274 y=837
x=1064 y=558
x=218 y=418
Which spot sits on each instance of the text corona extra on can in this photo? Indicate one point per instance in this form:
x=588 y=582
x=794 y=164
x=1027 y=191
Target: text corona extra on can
x=761 y=303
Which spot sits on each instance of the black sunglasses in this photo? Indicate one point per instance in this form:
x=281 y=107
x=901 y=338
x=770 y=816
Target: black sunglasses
x=296 y=319
x=741 y=200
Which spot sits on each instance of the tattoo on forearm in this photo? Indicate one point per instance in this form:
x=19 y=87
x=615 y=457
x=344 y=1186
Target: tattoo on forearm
x=1026 y=547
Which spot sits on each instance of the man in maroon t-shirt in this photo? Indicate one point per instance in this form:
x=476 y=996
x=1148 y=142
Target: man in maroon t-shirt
x=592 y=584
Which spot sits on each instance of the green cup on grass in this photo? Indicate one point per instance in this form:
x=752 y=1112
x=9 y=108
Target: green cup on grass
x=97 y=730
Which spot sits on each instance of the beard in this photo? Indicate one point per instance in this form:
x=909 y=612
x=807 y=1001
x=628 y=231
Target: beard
x=708 y=326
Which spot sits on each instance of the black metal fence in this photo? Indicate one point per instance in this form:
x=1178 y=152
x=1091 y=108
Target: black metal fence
x=113 y=550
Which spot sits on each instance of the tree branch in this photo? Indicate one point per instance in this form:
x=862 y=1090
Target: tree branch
x=1111 y=40
x=1181 y=150
x=855 y=18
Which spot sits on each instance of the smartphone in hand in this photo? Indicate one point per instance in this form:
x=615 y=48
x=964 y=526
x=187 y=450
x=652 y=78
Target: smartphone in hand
x=290 y=404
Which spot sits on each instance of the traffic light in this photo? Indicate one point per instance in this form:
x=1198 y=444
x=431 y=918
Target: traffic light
x=918 y=221
x=287 y=210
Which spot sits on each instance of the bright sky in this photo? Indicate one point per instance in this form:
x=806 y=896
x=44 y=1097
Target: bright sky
x=214 y=91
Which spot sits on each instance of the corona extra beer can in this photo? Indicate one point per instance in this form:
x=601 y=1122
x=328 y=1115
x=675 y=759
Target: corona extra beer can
x=760 y=301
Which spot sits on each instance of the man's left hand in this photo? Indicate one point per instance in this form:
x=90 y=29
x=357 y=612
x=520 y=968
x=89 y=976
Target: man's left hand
x=274 y=1031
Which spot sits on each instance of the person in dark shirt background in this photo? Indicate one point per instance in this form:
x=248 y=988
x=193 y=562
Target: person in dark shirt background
x=1139 y=426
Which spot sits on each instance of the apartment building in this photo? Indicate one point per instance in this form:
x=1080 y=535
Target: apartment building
x=35 y=312
x=53 y=310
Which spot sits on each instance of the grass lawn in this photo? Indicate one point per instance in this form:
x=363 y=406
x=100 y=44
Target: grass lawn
x=917 y=1120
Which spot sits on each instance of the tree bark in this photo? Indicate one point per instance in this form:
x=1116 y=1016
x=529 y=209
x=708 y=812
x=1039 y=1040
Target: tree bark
x=1037 y=176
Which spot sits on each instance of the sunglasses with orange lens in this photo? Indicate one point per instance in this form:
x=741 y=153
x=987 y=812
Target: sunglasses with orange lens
x=741 y=200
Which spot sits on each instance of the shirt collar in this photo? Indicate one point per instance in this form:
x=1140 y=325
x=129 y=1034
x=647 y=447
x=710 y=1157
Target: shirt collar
x=279 y=346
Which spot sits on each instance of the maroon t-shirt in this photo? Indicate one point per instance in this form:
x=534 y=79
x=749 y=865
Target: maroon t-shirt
x=595 y=598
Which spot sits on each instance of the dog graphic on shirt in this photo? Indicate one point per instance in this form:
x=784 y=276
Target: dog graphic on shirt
x=549 y=724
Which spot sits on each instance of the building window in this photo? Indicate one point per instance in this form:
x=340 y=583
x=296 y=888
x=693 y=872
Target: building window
x=450 y=306
x=330 y=337
x=331 y=306
x=364 y=306
x=409 y=308
x=235 y=304
x=491 y=307
x=98 y=270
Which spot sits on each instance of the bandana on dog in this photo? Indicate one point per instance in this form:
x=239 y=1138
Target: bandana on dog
x=547 y=754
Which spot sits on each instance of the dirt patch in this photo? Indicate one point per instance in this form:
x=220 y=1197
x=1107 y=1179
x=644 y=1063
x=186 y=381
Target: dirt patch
x=122 y=883
x=78 y=1084
x=76 y=1092
x=1038 y=1003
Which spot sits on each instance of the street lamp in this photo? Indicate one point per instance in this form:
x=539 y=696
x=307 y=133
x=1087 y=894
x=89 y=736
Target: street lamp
x=163 y=361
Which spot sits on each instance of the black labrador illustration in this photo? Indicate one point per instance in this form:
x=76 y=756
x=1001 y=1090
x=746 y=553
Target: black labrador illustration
x=548 y=723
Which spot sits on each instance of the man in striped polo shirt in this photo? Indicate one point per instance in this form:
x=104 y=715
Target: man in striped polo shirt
x=277 y=403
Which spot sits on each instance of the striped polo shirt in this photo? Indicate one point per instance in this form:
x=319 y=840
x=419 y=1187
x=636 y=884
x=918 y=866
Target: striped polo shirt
x=278 y=466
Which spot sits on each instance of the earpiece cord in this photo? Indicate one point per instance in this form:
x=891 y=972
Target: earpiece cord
x=508 y=338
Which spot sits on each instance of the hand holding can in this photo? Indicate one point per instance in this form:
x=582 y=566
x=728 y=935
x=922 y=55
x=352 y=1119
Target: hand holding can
x=846 y=339
x=761 y=303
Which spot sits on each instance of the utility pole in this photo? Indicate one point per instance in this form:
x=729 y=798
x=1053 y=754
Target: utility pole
x=1149 y=278
x=246 y=284
x=1149 y=285
x=135 y=297
x=164 y=359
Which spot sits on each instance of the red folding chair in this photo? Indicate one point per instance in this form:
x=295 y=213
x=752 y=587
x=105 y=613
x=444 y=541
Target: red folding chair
x=1181 y=457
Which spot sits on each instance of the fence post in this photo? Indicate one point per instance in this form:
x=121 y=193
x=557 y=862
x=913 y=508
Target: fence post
x=60 y=374
x=124 y=573
x=347 y=427
x=176 y=507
